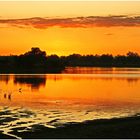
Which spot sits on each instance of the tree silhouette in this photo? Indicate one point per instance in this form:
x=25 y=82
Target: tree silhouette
x=33 y=58
x=132 y=54
x=36 y=61
x=35 y=52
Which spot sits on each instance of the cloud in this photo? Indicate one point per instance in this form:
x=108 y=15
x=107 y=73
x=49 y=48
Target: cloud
x=108 y=34
x=84 y=22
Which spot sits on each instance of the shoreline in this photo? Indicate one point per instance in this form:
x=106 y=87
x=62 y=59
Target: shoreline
x=128 y=127
x=66 y=70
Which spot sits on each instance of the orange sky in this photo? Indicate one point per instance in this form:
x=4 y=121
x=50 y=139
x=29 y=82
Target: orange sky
x=66 y=36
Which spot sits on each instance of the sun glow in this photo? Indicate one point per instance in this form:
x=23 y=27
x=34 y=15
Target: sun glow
x=62 y=35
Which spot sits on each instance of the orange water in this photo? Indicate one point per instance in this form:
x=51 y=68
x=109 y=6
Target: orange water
x=78 y=94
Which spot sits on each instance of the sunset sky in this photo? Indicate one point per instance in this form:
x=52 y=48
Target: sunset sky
x=65 y=28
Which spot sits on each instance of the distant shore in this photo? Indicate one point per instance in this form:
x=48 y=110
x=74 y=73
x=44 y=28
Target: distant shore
x=36 y=61
x=128 y=127
x=66 y=70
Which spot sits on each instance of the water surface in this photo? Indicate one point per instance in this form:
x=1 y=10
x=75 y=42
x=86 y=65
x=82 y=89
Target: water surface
x=76 y=95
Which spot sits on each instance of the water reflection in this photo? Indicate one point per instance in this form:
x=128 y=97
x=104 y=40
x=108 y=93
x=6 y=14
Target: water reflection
x=121 y=85
x=53 y=99
x=35 y=81
x=132 y=80
x=7 y=95
x=104 y=77
x=100 y=70
x=5 y=78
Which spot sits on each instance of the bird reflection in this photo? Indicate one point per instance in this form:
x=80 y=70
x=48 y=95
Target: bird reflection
x=9 y=97
x=5 y=95
x=8 y=94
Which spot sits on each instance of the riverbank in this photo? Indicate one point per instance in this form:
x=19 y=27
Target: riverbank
x=105 y=128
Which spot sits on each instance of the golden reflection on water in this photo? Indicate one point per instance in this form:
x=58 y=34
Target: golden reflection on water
x=54 y=99
x=40 y=90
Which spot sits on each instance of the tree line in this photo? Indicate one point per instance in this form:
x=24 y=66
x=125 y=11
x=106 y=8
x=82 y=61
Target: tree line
x=37 y=61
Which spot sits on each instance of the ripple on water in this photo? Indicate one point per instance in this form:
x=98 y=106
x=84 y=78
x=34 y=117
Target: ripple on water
x=24 y=119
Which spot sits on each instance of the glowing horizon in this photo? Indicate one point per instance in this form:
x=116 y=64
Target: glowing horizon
x=89 y=28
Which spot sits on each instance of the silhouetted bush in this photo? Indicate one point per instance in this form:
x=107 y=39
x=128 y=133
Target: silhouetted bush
x=36 y=61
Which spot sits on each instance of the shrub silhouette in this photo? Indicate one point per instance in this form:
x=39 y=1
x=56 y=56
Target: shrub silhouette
x=37 y=61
